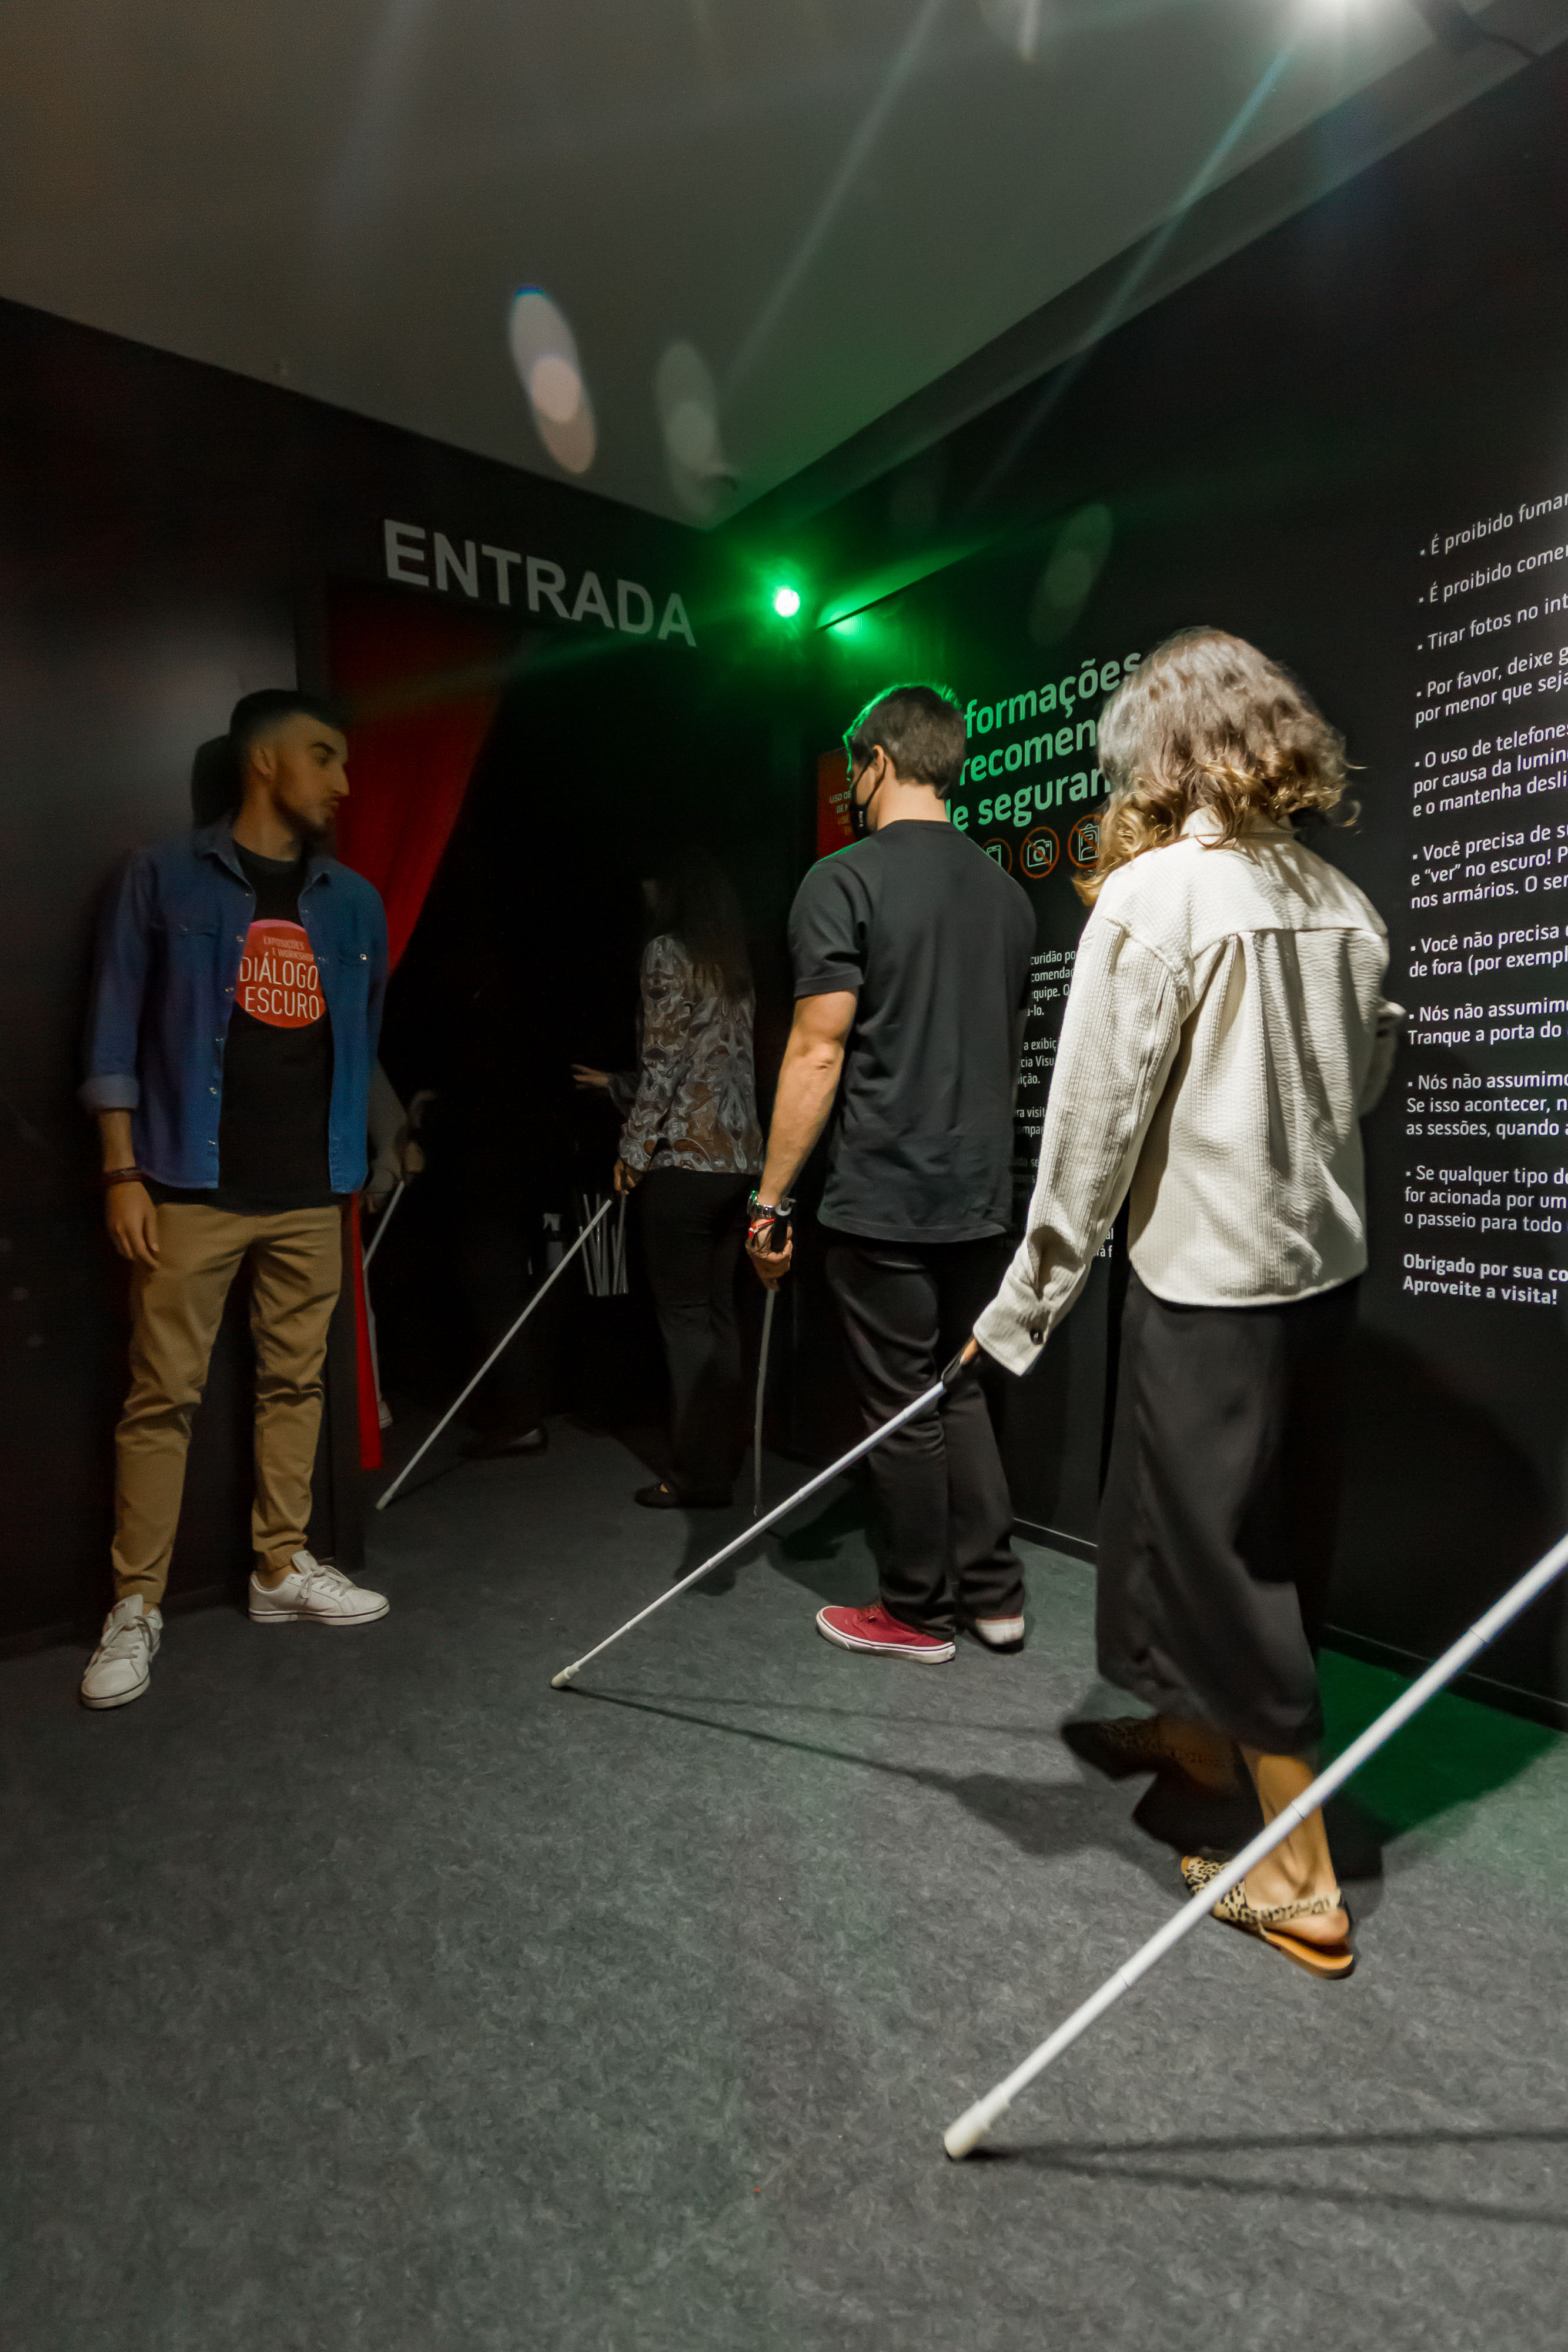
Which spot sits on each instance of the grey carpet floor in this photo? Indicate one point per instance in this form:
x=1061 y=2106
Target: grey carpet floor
x=359 y=1992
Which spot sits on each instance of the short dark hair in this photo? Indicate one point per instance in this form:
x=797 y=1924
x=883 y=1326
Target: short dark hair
x=921 y=728
x=253 y=714
x=217 y=771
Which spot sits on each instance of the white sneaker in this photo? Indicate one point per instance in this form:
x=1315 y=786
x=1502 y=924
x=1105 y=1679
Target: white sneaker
x=998 y=1633
x=322 y=1594
x=121 y=1668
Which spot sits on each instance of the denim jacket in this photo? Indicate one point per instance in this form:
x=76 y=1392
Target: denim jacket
x=169 y=955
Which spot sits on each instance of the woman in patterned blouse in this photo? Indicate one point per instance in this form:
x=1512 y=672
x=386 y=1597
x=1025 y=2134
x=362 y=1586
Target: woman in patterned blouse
x=692 y=1144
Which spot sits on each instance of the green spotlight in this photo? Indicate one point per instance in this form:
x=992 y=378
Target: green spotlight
x=786 y=603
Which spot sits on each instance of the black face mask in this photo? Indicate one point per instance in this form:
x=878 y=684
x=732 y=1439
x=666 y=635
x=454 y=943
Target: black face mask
x=860 y=815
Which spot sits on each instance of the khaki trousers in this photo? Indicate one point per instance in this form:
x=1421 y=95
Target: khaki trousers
x=295 y=1260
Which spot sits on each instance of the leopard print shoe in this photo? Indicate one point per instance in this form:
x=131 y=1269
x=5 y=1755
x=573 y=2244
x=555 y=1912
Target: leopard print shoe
x=1271 y=1921
x=1121 y=1745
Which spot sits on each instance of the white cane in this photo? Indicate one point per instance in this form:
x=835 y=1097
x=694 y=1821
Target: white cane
x=761 y=1399
x=759 y=1527
x=977 y=2121
x=386 y=1217
x=499 y=1349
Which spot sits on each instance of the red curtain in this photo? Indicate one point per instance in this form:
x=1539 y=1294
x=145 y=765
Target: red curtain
x=421 y=682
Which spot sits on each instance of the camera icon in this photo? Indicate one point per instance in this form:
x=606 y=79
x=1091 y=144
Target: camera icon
x=1039 y=852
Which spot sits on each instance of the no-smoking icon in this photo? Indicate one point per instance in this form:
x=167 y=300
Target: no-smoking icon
x=1039 y=852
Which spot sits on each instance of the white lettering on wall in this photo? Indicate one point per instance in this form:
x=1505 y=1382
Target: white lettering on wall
x=464 y=568
x=425 y=559
x=545 y=580
x=591 y=599
x=624 y=590
x=675 y=623
x=503 y=558
x=404 y=545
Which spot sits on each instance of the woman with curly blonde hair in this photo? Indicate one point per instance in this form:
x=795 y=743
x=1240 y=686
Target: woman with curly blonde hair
x=1225 y=1033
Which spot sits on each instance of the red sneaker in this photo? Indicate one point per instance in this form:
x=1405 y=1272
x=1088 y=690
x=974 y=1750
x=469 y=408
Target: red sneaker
x=873 y=1629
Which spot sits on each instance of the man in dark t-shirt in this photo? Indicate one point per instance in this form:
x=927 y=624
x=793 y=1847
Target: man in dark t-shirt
x=277 y=1059
x=232 y=1032
x=911 y=952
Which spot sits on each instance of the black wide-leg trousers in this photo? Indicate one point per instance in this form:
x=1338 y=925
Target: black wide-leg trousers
x=1217 y=1521
x=692 y=1230
x=906 y=1308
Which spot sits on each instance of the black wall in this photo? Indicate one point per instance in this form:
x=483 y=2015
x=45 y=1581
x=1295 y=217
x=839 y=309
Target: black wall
x=168 y=538
x=1277 y=450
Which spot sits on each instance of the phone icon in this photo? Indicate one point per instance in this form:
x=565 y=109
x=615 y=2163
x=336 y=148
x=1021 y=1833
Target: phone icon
x=1083 y=841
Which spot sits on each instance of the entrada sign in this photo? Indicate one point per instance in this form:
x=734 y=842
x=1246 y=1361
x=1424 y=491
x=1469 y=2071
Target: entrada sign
x=428 y=558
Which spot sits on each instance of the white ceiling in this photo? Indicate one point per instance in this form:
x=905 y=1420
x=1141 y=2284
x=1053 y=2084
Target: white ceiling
x=833 y=200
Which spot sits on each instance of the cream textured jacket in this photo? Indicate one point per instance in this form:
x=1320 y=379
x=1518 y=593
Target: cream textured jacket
x=1225 y=1031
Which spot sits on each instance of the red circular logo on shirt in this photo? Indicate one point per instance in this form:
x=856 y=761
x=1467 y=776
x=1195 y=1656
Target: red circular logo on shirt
x=278 y=982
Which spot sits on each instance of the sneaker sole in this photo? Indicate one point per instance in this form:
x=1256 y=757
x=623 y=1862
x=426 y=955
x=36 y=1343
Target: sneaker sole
x=120 y=1698
x=935 y=1657
x=315 y=1617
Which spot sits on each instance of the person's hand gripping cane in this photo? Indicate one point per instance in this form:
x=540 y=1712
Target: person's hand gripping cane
x=771 y=1259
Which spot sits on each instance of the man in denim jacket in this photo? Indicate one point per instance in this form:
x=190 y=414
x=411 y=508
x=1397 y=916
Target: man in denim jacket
x=235 y=1015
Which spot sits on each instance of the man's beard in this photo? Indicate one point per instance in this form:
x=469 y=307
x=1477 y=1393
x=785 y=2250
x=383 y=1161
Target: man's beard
x=318 y=830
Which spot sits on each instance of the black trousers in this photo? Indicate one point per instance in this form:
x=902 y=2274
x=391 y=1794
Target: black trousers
x=907 y=1308
x=497 y=1255
x=692 y=1231
x=1216 y=1523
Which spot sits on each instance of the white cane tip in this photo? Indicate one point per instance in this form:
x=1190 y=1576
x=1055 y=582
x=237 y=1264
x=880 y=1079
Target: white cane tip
x=961 y=2139
x=559 y=1681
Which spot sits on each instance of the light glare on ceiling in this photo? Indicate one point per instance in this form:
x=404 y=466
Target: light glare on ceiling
x=686 y=400
x=544 y=353
x=1022 y=24
x=555 y=388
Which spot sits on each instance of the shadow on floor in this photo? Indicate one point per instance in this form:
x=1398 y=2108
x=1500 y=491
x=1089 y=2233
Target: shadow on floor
x=1138 y=2161
x=1455 y=1752
x=819 y=1537
x=1189 y=1819
x=1048 y=1819
x=841 y=1514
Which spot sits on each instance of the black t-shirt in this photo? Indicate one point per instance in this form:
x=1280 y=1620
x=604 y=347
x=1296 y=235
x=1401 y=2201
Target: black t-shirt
x=935 y=940
x=278 y=1060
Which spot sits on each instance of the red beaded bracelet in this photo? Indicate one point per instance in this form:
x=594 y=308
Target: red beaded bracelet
x=121 y=1176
